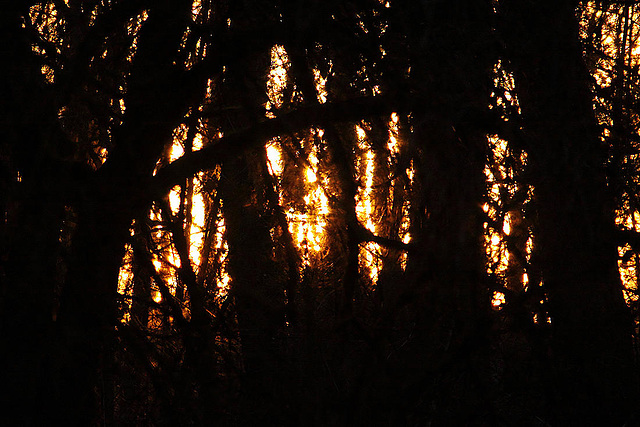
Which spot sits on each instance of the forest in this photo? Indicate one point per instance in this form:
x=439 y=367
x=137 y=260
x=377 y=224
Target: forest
x=320 y=213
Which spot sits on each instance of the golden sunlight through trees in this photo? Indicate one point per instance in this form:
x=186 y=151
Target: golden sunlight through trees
x=305 y=187
x=628 y=258
x=322 y=213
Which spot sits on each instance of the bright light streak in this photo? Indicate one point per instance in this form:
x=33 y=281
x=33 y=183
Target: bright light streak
x=125 y=280
x=498 y=300
x=393 y=145
x=628 y=270
x=321 y=86
x=629 y=221
x=495 y=247
x=196 y=231
x=307 y=227
x=220 y=244
x=506 y=226
x=174 y=199
x=311 y=175
x=277 y=81
x=370 y=253
x=628 y=274
x=529 y=248
x=196 y=8
x=176 y=151
x=411 y=171
x=198 y=142
x=276 y=165
x=364 y=206
x=157 y=296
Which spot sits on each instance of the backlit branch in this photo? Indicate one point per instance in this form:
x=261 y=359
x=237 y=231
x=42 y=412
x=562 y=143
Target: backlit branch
x=365 y=235
x=302 y=118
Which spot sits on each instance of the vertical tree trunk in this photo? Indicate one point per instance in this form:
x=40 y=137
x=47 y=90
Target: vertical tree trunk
x=452 y=63
x=257 y=290
x=33 y=212
x=257 y=287
x=592 y=361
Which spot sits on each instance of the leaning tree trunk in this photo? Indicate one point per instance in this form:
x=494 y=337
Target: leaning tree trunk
x=114 y=196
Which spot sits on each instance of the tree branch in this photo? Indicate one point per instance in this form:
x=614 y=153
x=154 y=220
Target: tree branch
x=364 y=235
x=235 y=143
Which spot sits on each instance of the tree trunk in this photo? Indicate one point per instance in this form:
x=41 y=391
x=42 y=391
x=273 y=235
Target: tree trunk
x=34 y=179
x=87 y=320
x=257 y=290
x=591 y=353
x=451 y=62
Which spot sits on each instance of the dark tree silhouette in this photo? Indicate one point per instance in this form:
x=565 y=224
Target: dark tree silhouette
x=439 y=243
